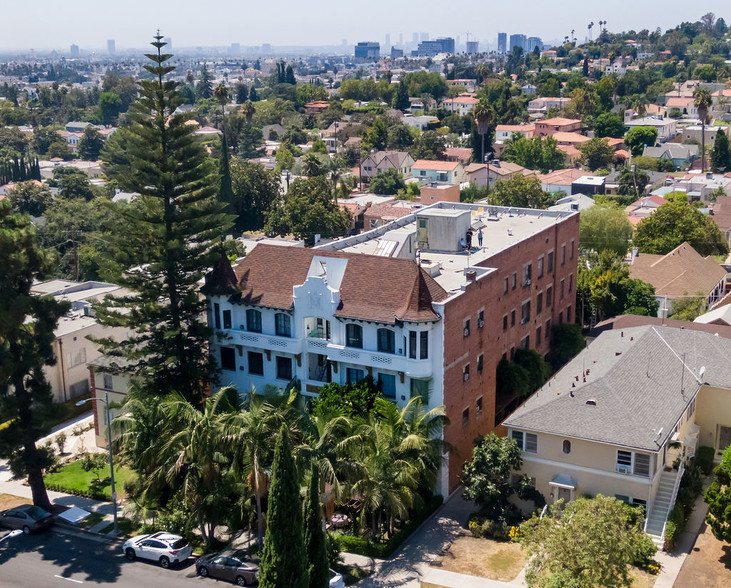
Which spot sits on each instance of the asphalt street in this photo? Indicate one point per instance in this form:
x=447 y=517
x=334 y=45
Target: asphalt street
x=57 y=560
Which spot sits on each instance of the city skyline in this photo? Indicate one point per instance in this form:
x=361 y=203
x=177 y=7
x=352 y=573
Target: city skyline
x=132 y=28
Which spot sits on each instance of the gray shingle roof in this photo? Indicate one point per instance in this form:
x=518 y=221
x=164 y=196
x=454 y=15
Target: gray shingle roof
x=634 y=376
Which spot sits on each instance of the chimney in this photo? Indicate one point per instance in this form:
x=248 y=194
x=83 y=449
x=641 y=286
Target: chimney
x=471 y=275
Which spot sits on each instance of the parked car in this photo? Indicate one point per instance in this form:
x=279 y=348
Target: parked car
x=336 y=580
x=228 y=566
x=164 y=548
x=27 y=517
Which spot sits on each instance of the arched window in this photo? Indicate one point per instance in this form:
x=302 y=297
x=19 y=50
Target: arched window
x=253 y=320
x=283 y=324
x=567 y=446
x=386 y=341
x=354 y=335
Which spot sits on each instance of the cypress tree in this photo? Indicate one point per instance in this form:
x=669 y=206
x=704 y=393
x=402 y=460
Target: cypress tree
x=253 y=96
x=172 y=241
x=225 y=190
x=27 y=323
x=401 y=99
x=283 y=557
x=315 y=539
x=721 y=154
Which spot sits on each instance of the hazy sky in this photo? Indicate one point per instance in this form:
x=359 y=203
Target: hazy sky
x=45 y=24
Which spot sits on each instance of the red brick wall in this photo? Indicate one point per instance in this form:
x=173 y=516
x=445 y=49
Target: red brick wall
x=490 y=340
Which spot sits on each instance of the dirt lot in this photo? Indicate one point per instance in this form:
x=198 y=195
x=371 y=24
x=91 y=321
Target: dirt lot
x=708 y=564
x=10 y=501
x=484 y=558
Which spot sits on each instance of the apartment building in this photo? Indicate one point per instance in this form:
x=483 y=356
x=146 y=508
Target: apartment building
x=406 y=303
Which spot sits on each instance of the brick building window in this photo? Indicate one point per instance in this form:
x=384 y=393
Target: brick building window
x=571 y=282
x=563 y=287
x=563 y=253
x=515 y=280
x=538 y=336
x=540 y=267
x=539 y=302
x=478 y=406
x=480 y=319
x=549 y=296
x=571 y=250
x=480 y=362
x=549 y=269
x=525 y=312
x=505 y=284
x=465 y=417
x=466 y=373
x=512 y=318
x=505 y=322
x=466 y=326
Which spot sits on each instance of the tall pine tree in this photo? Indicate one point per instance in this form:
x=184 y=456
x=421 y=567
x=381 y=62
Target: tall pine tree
x=315 y=539
x=174 y=233
x=26 y=345
x=283 y=557
x=721 y=154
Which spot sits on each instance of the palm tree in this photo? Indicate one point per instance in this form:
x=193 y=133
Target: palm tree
x=639 y=104
x=221 y=94
x=590 y=26
x=248 y=109
x=483 y=117
x=703 y=101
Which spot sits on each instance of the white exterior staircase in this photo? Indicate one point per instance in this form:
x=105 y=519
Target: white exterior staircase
x=667 y=490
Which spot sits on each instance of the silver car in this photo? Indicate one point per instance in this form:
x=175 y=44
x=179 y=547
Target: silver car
x=164 y=548
x=336 y=580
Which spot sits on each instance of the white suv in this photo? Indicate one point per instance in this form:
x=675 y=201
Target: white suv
x=164 y=548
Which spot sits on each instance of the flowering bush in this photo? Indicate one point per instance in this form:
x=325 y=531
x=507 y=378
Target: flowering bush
x=653 y=569
x=514 y=533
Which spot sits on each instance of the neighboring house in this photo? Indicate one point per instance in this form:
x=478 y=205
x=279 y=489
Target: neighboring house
x=680 y=155
x=461 y=154
x=76 y=127
x=572 y=139
x=551 y=126
x=679 y=274
x=720 y=315
x=317 y=107
x=431 y=193
x=589 y=185
x=72 y=139
x=686 y=106
x=573 y=203
x=560 y=180
x=695 y=133
x=378 y=215
x=617 y=418
x=405 y=304
x=109 y=379
x=421 y=122
x=625 y=321
x=528 y=89
x=503 y=133
x=640 y=209
x=721 y=215
x=666 y=127
x=540 y=106
x=476 y=173
x=698 y=186
x=445 y=172
x=462 y=104
x=69 y=377
x=382 y=161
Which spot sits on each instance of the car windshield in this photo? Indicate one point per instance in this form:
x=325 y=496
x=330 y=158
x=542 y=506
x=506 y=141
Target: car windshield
x=36 y=513
x=180 y=543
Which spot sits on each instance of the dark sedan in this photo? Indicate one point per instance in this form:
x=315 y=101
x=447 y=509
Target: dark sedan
x=231 y=567
x=27 y=517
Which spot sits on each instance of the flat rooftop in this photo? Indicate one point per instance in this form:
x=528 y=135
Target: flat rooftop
x=502 y=228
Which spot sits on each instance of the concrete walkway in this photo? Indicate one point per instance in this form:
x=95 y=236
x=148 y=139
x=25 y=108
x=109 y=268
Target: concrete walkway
x=455 y=580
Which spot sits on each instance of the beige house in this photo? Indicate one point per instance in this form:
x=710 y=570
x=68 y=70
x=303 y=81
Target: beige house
x=381 y=161
x=624 y=414
x=110 y=381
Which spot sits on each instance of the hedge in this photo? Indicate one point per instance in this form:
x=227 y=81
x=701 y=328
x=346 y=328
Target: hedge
x=704 y=459
x=369 y=548
x=689 y=489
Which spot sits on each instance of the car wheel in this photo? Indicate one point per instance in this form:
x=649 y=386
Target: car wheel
x=240 y=581
x=203 y=571
x=130 y=553
x=26 y=529
x=164 y=562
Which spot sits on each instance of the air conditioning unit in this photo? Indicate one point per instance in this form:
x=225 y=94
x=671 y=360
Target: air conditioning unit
x=480 y=323
x=523 y=321
x=466 y=332
x=623 y=469
x=465 y=376
x=526 y=282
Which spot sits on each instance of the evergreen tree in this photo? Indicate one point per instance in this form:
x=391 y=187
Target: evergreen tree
x=172 y=242
x=225 y=189
x=90 y=144
x=401 y=99
x=283 y=562
x=27 y=323
x=242 y=93
x=253 y=96
x=315 y=538
x=289 y=75
x=204 y=89
x=721 y=154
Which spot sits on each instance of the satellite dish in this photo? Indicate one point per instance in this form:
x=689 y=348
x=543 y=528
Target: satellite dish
x=702 y=372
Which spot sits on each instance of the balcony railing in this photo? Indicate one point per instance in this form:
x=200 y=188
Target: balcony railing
x=418 y=368
x=263 y=341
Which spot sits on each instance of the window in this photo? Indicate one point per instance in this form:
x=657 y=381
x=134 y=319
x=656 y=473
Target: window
x=568 y=313
x=571 y=250
x=420 y=388
x=571 y=282
x=527 y=442
x=256 y=363
x=480 y=362
x=505 y=322
x=549 y=296
x=465 y=417
x=253 y=321
x=478 y=406
x=512 y=318
x=388 y=385
x=422 y=173
x=548 y=329
x=466 y=373
x=228 y=358
x=561 y=292
x=549 y=269
x=563 y=253
x=629 y=462
x=284 y=368
x=539 y=302
x=79 y=388
x=354 y=375
x=74 y=358
x=514 y=280
x=386 y=341
x=540 y=267
x=527 y=274
x=424 y=345
x=525 y=342
x=283 y=324
x=412 y=344
x=525 y=312
x=480 y=319
x=108 y=385
x=688 y=413
x=442 y=177
x=354 y=335
x=538 y=336
x=505 y=285
x=226 y=319
x=217 y=314
x=466 y=327
x=567 y=446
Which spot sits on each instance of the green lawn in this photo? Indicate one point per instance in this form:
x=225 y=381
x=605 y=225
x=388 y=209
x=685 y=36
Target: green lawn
x=73 y=478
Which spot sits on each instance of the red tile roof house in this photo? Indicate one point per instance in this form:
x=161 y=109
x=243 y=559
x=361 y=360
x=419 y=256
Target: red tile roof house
x=644 y=207
x=435 y=328
x=551 y=126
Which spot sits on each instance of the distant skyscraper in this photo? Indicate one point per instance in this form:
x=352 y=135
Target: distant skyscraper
x=401 y=39
x=517 y=40
x=473 y=47
x=111 y=49
x=235 y=49
x=266 y=48
x=431 y=48
x=415 y=38
x=424 y=37
x=367 y=51
x=169 y=44
x=457 y=43
x=74 y=51
x=388 y=40
x=532 y=42
x=502 y=42
x=396 y=53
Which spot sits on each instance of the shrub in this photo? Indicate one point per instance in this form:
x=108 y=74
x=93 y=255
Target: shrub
x=704 y=459
x=498 y=530
x=61 y=443
x=644 y=551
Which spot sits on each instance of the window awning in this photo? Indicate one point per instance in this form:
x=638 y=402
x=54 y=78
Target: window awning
x=563 y=481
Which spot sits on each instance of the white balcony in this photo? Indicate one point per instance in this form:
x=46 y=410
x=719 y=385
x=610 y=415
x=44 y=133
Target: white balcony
x=416 y=368
x=261 y=341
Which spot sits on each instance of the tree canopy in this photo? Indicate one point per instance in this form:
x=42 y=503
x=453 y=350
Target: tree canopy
x=521 y=191
x=605 y=227
x=637 y=138
x=718 y=497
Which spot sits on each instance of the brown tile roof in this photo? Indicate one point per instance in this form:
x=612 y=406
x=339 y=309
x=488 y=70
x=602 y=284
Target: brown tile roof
x=381 y=289
x=681 y=272
x=435 y=165
x=222 y=279
x=562 y=177
x=722 y=212
x=387 y=211
x=627 y=321
x=570 y=137
x=559 y=121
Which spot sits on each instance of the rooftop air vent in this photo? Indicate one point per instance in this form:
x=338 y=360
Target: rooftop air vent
x=591 y=402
